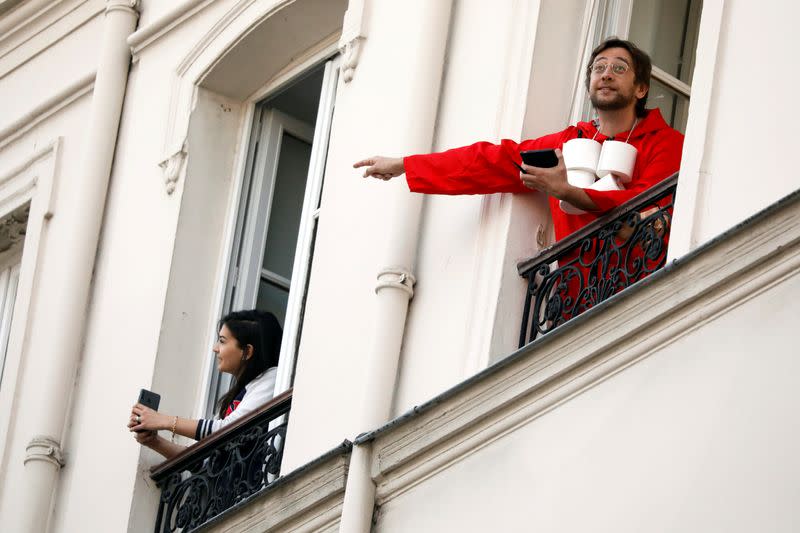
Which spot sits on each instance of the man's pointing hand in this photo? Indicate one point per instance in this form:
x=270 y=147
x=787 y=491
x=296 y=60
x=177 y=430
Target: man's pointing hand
x=383 y=168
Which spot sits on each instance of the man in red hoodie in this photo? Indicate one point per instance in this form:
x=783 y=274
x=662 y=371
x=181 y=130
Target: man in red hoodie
x=618 y=80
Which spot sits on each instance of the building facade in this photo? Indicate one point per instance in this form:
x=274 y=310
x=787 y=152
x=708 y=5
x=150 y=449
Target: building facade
x=162 y=163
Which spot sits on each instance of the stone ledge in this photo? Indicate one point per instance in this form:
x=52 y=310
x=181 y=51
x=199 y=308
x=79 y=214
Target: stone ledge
x=307 y=499
x=755 y=255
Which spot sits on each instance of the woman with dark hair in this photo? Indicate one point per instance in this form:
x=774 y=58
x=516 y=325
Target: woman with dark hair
x=248 y=346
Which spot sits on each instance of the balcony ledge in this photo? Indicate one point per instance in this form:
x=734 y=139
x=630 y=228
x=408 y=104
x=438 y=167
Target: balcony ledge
x=309 y=498
x=737 y=265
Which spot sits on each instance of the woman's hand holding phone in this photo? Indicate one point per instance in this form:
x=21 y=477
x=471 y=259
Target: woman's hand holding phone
x=143 y=419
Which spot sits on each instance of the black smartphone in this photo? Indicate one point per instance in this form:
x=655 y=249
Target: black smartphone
x=149 y=399
x=540 y=158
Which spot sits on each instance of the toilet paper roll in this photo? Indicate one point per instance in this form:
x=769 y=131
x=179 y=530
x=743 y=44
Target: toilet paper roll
x=607 y=183
x=618 y=158
x=581 y=178
x=581 y=154
x=569 y=208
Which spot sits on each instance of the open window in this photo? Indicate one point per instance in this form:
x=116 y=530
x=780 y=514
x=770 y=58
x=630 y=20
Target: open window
x=280 y=209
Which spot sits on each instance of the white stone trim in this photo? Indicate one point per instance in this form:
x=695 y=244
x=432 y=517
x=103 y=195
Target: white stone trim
x=354 y=32
x=396 y=278
x=495 y=215
x=21 y=125
x=40 y=27
x=309 y=503
x=201 y=58
x=171 y=167
x=37 y=177
x=43 y=448
x=690 y=195
x=144 y=37
x=590 y=350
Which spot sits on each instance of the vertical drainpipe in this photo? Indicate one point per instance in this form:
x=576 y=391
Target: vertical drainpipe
x=420 y=81
x=60 y=333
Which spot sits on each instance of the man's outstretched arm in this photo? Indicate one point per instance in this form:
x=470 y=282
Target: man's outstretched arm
x=383 y=168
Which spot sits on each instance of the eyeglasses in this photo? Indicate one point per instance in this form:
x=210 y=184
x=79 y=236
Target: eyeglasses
x=618 y=69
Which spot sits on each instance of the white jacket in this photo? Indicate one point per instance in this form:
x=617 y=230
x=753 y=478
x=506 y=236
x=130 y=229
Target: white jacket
x=257 y=393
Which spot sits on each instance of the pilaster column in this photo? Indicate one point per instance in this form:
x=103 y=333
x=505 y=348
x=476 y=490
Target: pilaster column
x=57 y=330
x=402 y=58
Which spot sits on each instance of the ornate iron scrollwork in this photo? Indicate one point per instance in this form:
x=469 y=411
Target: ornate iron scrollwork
x=234 y=468
x=597 y=262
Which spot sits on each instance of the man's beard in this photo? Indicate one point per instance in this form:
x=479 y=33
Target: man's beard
x=619 y=101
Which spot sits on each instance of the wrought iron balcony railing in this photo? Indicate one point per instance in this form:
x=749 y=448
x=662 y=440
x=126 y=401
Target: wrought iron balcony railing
x=601 y=259
x=223 y=470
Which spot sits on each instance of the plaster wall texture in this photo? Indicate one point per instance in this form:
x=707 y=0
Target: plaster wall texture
x=468 y=300
x=351 y=243
x=438 y=329
x=124 y=318
x=698 y=436
x=556 y=62
x=159 y=261
x=25 y=83
x=146 y=327
x=31 y=76
x=751 y=138
x=437 y=342
x=19 y=377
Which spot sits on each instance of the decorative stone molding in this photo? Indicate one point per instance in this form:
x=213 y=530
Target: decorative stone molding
x=180 y=13
x=9 y=132
x=309 y=498
x=44 y=448
x=351 y=52
x=353 y=36
x=27 y=188
x=396 y=278
x=738 y=265
x=124 y=5
x=543 y=232
x=13 y=227
x=172 y=168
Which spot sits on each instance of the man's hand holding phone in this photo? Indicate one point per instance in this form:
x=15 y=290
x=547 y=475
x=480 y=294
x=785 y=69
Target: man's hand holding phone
x=544 y=170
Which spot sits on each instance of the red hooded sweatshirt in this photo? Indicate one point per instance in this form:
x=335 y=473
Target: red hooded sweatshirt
x=484 y=168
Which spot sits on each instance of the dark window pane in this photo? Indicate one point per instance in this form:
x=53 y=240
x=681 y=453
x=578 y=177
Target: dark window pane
x=674 y=106
x=273 y=299
x=667 y=30
x=287 y=205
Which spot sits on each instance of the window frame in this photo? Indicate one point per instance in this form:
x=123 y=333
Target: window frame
x=9 y=283
x=233 y=297
x=613 y=17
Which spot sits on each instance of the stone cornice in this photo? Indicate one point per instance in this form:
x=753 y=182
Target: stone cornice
x=22 y=124
x=149 y=34
x=733 y=268
x=311 y=495
x=36 y=26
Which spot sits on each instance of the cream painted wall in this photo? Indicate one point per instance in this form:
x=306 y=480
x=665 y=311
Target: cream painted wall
x=438 y=332
x=123 y=322
x=351 y=239
x=36 y=68
x=555 y=67
x=145 y=328
x=751 y=136
x=125 y=317
x=21 y=379
x=699 y=436
x=29 y=80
